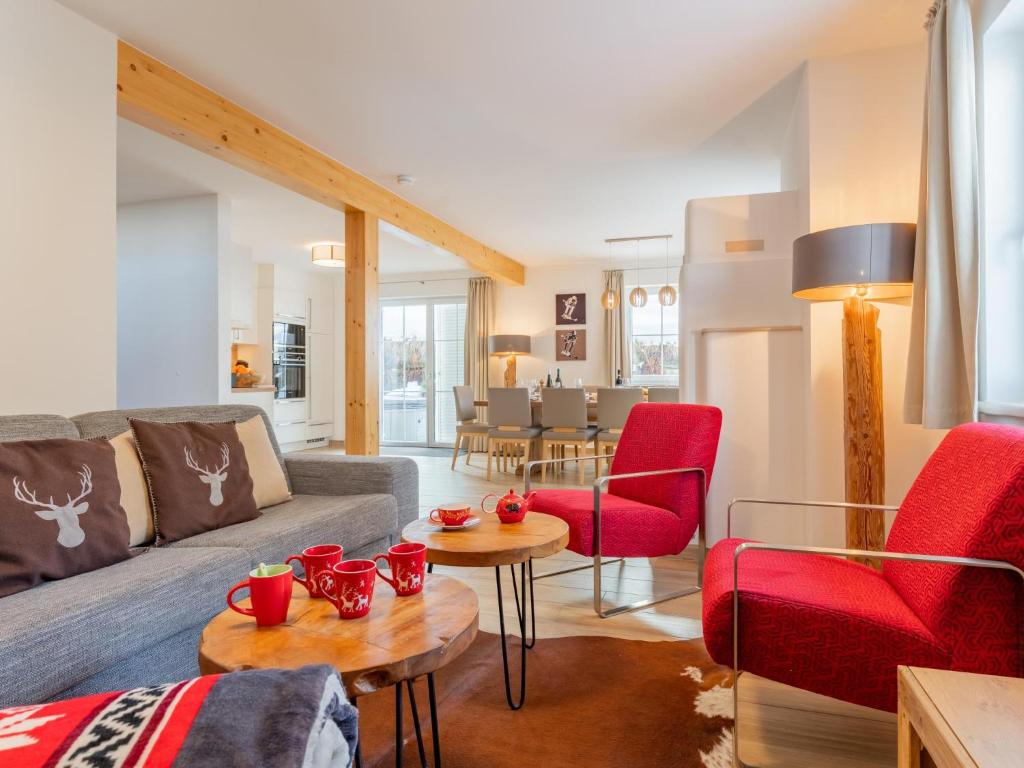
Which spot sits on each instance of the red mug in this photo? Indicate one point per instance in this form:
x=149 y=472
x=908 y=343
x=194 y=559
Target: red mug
x=408 y=566
x=270 y=592
x=316 y=560
x=349 y=586
x=450 y=514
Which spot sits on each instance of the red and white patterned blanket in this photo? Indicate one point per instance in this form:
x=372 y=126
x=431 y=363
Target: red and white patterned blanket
x=287 y=718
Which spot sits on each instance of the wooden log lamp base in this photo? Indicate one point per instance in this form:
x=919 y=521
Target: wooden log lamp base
x=863 y=428
x=858 y=265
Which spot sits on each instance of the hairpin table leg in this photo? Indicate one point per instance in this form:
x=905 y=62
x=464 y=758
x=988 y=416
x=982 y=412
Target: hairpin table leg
x=521 y=615
x=533 y=611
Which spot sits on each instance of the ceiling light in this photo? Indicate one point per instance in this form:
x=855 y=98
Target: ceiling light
x=330 y=255
x=667 y=294
x=638 y=296
x=609 y=299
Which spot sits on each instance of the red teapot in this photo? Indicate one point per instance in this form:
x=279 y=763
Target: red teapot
x=510 y=508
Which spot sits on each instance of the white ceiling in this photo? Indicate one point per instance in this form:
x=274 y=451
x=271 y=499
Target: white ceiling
x=278 y=224
x=539 y=126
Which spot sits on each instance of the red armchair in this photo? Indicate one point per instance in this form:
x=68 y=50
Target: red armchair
x=948 y=595
x=656 y=493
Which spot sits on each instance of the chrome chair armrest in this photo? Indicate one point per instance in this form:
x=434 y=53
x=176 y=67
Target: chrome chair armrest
x=838 y=552
x=599 y=483
x=602 y=481
x=785 y=503
x=537 y=462
x=605 y=479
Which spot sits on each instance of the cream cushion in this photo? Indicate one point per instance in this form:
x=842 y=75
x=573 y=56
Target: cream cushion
x=269 y=485
x=134 y=490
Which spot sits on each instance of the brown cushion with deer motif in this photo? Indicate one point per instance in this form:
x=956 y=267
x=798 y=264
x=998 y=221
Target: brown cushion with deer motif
x=197 y=474
x=60 y=511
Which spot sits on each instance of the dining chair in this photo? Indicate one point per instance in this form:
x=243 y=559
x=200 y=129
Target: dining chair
x=564 y=418
x=469 y=431
x=663 y=394
x=613 y=407
x=512 y=429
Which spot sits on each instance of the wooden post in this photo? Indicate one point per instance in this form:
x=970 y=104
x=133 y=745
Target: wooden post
x=362 y=337
x=864 y=431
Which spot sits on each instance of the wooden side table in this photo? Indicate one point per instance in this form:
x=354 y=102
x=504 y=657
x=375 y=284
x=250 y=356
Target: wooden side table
x=492 y=543
x=953 y=719
x=402 y=638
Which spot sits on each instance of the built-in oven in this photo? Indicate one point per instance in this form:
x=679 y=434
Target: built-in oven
x=289 y=359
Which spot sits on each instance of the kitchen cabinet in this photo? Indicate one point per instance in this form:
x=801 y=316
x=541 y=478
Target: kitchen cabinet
x=290 y=304
x=244 y=328
x=263 y=398
x=321 y=380
x=321 y=306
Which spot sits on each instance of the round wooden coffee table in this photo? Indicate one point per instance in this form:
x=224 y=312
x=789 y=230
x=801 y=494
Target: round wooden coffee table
x=402 y=638
x=493 y=543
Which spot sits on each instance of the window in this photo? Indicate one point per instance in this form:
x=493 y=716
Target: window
x=653 y=332
x=1001 y=322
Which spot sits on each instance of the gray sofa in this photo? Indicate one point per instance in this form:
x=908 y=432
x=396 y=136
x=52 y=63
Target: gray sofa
x=138 y=622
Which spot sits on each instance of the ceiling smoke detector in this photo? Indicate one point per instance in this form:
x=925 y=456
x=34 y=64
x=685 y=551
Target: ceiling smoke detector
x=405 y=180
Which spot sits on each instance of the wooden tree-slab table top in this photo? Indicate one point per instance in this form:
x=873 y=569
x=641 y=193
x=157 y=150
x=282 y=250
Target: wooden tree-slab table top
x=402 y=638
x=491 y=543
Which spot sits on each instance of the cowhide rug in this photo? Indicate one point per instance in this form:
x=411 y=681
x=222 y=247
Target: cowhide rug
x=591 y=701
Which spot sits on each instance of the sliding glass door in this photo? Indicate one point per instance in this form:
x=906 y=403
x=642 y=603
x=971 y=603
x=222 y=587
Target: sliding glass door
x=422 y=352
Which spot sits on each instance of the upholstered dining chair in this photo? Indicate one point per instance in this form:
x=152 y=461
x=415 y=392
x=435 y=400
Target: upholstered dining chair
x=652 y=501
x=613 y=407
x=564 y=418
x=512 y=431
x=662 y=395
x=469 y=432
x=948 y=595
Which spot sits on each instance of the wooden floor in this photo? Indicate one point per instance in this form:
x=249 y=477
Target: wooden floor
x=780 y=726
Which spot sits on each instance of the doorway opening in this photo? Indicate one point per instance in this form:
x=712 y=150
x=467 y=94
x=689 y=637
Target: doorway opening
x=422 y=355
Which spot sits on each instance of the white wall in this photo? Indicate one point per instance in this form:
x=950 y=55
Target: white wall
x=57 y=205
x=864 y=151
x=756 y=377
x=173 y=323
x=530 y=309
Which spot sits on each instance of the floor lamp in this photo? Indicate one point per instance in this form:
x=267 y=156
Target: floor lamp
x=858 y=265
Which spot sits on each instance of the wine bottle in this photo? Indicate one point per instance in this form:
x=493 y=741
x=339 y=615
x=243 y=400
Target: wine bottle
x=618 y=378
x=549 y=379
x=558 y=377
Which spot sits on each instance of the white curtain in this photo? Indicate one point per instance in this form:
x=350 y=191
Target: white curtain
x=479 y=326
x=941 y=371
x=616 y=345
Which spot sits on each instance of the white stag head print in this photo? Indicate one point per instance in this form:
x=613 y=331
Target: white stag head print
x=70 y=533
x=214 y=478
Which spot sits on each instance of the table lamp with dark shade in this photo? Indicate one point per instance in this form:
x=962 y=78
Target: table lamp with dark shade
x=858 y=265
x=508 y=346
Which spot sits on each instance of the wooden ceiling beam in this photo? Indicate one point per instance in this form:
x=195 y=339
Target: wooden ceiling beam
x=160 y=98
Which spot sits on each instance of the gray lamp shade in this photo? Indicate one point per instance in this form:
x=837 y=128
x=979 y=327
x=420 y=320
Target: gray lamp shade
x=509 y=344
x=874 y=261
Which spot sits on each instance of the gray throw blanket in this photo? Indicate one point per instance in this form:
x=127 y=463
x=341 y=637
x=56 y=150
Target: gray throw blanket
x=286 y=718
